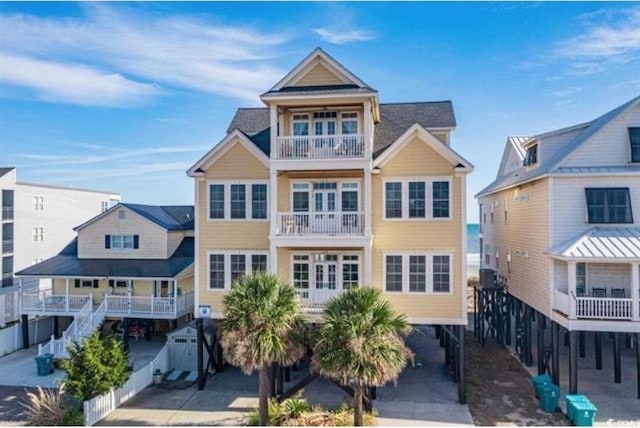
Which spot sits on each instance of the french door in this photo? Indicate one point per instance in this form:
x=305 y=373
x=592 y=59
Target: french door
x=325 y=207
x=324 y=128
x=326 y=275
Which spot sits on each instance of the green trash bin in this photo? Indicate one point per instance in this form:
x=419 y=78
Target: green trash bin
x=549 y=396
x=570 y=401
x=584 y=413
x=44 y=363
x=539 y=381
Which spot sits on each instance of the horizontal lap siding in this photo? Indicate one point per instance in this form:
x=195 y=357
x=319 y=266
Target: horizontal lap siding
x=527 y=231
x=140 y=288
x=570 y=206
x=173 y=240
x=319 y=75
x=153 y=238
x=237 y=163
x=417 y=159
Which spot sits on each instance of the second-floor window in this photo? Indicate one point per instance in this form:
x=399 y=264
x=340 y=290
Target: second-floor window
x=38 y=234
x=226 y=267
x=609 y=205
x=417 y=199
x=349 y=123
x=634 y=141
x=122 y=242
x=238 y=201
x=417 y=273
x=531 y=157
x=38 y=203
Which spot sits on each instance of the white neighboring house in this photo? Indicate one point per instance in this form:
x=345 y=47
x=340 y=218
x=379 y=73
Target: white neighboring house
x=561 y=222
x=38 y=220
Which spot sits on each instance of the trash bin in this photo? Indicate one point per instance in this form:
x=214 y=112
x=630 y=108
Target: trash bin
x=539 y=381
x=584 y=413
x=44 y=363
x=570 y=401
x=549 y=396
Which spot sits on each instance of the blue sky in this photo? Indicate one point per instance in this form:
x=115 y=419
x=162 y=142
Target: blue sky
x=125 y=97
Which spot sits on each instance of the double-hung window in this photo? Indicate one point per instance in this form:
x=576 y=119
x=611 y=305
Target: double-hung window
x=350 y=271
x=226 y=267
x=349 y=123
x=300 y=125
x=531 y=158
x=301 y=268
x=122 y=242
x=417 y=273
x=609 y=205
x=238 y=201
x=425 y=199
x=634 y=141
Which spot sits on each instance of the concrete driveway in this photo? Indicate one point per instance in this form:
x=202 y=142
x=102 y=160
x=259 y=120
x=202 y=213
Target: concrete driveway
x=423 y=396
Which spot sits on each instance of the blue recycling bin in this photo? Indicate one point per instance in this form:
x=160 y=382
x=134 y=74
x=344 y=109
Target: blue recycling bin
x=584 y=413
x=539 y=381
x=44 y=363
x=570 y=400
x=549 y=396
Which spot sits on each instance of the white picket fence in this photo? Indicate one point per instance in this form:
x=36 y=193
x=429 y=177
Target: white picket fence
x=99 y=407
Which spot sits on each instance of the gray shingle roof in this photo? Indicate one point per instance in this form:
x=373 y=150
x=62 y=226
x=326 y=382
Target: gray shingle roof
x=171 y=217
x=67 y=263
x=4 y=171
x=395 y=119
x=552 y=164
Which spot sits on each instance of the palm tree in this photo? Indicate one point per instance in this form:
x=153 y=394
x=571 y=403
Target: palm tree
x=360 y=339
x=263 y=325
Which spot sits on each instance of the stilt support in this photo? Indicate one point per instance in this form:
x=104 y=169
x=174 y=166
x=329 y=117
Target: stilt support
x=200 y=351
x=617 y=375
x=555 y=352
x=25 y=331
x=573 y=362
x=581 y=338
x=598 y=345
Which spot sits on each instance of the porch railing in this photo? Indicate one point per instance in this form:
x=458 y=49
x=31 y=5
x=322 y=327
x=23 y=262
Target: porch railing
x=149 y=305
x=320 y=147
x=604 y=308
x=320 y=223
x=46 y=301
x=315 y=300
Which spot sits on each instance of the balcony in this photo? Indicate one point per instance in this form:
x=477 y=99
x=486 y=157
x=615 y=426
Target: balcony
x=314 y=301
x=320 y=224
x=7 y=213
x=7 y=245
x=596 y=308
x=320 y=147
x=44 y=302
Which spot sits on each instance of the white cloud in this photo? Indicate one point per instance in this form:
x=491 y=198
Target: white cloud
x=79 y=175
x=71 y=83
x=609 y=36
x=567 y=92
x=55 y=159
x=185 y=52
x=340 y=36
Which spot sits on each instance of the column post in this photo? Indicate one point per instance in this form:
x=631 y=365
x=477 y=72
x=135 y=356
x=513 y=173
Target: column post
x=66 y=294
x=573 y=362
x=368 y=130
x=273 y=121
x=273 y=202
x=571 y=278
x=555 y=351
x=635 y=291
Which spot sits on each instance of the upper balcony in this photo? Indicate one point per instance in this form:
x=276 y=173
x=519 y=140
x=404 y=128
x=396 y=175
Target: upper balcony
x=320 y=147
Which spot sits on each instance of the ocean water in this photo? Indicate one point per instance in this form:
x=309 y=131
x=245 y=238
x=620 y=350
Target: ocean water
x=473 y=242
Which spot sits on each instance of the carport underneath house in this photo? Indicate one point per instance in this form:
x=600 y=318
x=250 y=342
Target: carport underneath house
x=210 y=360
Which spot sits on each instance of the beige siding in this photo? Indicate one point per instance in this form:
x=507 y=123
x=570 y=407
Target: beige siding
x=236 y=163
x=319 y=75
x=527 y=236
x=186 y=284
x=173 y=241
x=140 y=288
x=417 y=159
x=153 y=238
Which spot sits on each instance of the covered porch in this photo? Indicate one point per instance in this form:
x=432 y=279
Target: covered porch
x=597 y=276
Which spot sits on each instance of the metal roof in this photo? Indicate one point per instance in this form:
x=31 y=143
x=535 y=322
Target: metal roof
x=518 y=143
x=586 y=131
x=602 y=243
x=4 y=171
x=395 y=119
x=67 y=263
x=618 y=169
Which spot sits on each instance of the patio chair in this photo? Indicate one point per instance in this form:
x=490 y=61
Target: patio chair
x=618 y=293
x=599 y=292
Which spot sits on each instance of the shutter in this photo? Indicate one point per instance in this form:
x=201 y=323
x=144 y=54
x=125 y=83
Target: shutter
x=96 y=283
x=111 y=283
x=76 y=283
x=107 y=241
x=136 y=241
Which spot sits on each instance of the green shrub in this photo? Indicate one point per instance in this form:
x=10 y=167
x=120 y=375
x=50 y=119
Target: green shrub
x=96 y=366
x=73 y=417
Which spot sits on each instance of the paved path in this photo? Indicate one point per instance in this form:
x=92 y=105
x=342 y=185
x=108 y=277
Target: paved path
x=423 y=396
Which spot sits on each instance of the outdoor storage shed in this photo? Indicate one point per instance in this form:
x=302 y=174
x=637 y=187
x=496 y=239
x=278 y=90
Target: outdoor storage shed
x=183 y=348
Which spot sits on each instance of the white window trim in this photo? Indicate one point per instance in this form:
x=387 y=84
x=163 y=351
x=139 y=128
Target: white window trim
x=340 y=262
x=429 y=272
x=227 y=200
x=428 y=180
x=227 y=265
x=38 y=203
x=311 y=121
x=339 y=189
x=38 y=234
x=90 y=281
x=308 y=121
x=122 y=237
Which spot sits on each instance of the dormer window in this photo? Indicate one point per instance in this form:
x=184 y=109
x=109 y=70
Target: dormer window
x=634 y=141
x=532 y=156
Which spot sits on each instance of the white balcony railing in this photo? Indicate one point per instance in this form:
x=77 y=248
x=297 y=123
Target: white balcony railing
x=320 y=223
x=320 y=147
x=315 y=300
x=603 y=308
x=149 y=305
x=44 y=301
